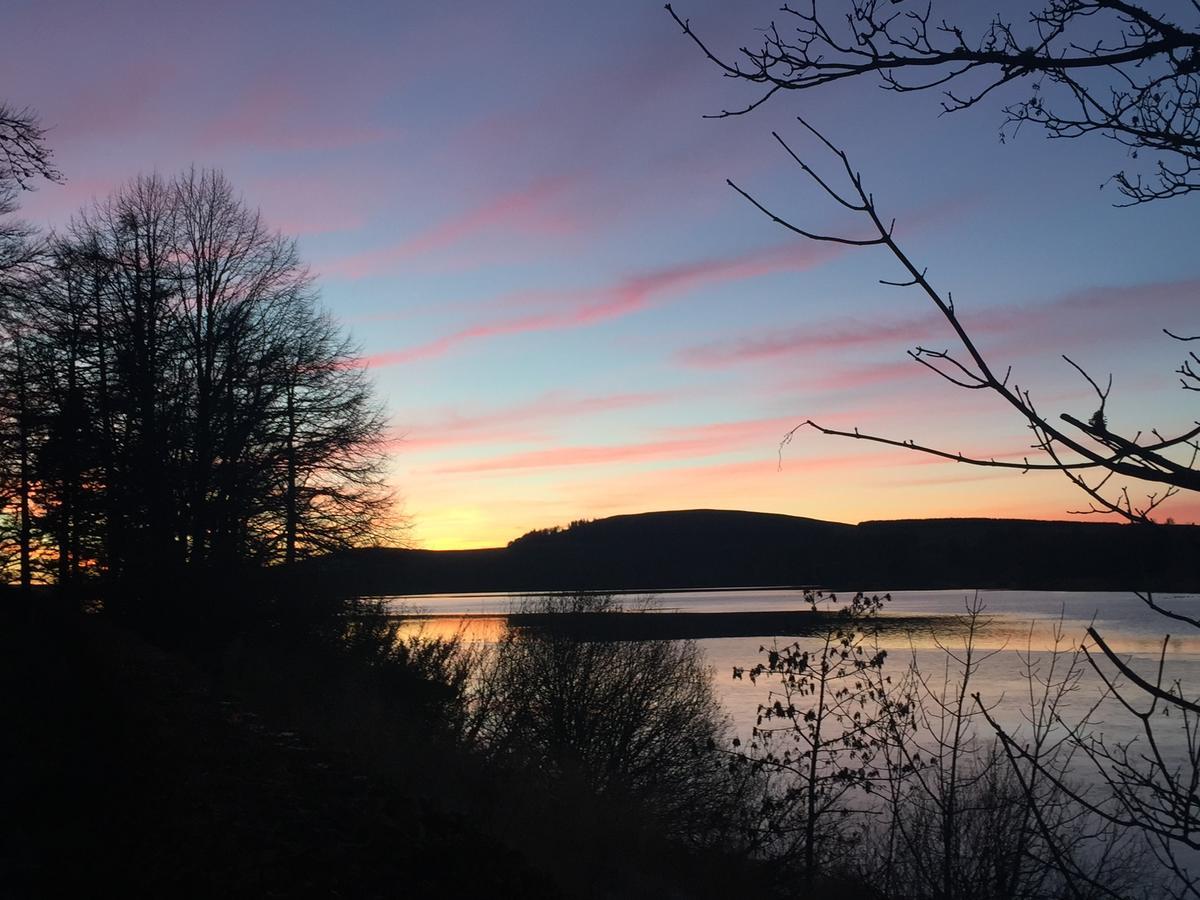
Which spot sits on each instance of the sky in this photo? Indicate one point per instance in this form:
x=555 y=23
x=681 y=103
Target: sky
x=520 y=212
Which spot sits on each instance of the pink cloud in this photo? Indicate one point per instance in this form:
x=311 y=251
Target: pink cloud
x=756 y=484
x=59 y=201
x=868 y=375
x=406 y=442
x=623 y=297
x=770 y=467
x=512 y=424
x=1090 y=314
x=653 y=66
x=528 y=210
x=557 y=457
x=677 y=443
x=276 y=114
x=316 y=203
x=116 y=106
x=770 y=345
x=736 y=433
x=1159 y=296
x=444 y=344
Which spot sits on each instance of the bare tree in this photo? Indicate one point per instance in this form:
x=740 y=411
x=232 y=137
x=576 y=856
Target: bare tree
x=20 y=436
x=1149 y=790
x=909 y=50
x=819 y=735
x=633 y=721
x=24 y=158
x=959 y=821
x=1143 y=93
x=1108 y=67
x=24 y=154
x=1080 y=446
x=196 y=409
x=328 y=490
x=284 y=444
x=63 y=328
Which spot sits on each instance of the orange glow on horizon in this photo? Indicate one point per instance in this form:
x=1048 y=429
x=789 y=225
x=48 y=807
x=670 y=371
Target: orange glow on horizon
x=494 y=522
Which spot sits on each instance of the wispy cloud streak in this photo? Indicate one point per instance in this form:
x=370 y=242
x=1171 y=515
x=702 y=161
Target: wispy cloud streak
x=1095 y=313
x=674 y=444
x=515 y=422
x=771 y=345
x=529 y=210
x=628 y=295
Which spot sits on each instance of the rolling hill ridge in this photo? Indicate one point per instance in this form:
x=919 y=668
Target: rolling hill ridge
x=726 y=548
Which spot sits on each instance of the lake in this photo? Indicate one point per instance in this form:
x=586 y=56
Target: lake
x=1018 y=631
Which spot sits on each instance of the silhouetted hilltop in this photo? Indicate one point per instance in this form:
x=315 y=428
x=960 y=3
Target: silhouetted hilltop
x=724 y=548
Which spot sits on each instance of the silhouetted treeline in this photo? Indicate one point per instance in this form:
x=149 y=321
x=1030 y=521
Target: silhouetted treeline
x=173 y=397
x=720 y=548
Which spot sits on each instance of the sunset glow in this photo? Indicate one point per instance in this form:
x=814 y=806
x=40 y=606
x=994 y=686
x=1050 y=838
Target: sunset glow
x=566 y=310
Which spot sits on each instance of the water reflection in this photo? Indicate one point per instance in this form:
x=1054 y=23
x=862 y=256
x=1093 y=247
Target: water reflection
x=472 y=629
x=916 y=618
x=1024 y=626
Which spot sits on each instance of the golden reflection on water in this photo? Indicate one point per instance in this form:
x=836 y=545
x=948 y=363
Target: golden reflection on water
x=895 y=633
x=1032 y=635
x=1003 y=677
x=471 y=629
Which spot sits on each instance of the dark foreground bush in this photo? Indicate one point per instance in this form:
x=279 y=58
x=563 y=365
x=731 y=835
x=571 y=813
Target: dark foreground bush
x=616 y=799
x=634 y=720
x=896 y=782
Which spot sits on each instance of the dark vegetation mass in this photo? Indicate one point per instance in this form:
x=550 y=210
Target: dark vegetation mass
x=176 y=401
x=729 y=549
x=197 y=711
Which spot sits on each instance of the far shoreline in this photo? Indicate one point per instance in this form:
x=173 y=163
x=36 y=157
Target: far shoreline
x=642 y=625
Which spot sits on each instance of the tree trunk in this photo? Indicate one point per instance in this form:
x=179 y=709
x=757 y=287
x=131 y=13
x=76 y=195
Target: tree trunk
x=291 y=512
x=25 y=538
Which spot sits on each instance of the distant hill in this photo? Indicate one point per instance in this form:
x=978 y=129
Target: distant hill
x=707 y=548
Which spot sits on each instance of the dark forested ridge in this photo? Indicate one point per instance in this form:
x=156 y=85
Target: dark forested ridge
x=723 y=548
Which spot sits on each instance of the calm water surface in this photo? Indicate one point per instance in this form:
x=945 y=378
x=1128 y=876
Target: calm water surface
x=1019 y=625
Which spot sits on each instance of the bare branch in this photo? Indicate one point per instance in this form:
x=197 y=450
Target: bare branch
x=1139 y=85
x=1150 y=689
